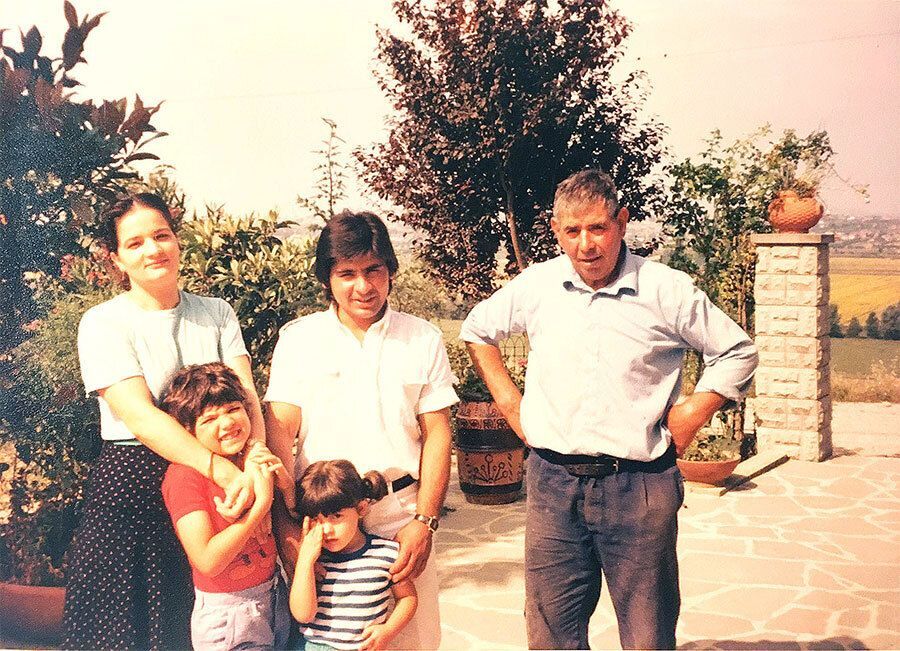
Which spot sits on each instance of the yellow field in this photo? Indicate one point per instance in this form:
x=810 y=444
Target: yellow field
x=866 y=266
x=863 y=285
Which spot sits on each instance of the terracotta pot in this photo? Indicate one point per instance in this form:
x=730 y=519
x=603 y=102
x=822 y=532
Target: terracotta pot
x=31 y=614
x=489 y=456
x=707 y=472
x=790 y=213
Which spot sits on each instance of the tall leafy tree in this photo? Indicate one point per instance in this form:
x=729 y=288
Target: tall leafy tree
x=58 y=157
x=719 y=198
x=496 y=102
x=834 y=322
x=873 y=326
x=854 y=327
x=890 y=322
x=330 y=188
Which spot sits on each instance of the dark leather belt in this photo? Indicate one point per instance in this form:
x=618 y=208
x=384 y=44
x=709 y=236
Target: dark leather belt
x=601 y=465
x=401 y=482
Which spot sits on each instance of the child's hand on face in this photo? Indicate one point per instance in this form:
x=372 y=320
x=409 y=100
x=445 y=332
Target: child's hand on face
x=311 y=545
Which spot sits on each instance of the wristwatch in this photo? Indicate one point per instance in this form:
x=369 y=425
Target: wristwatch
x=428 y=521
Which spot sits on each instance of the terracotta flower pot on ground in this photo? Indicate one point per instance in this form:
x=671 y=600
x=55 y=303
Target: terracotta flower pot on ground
x=790 y=213
x=489 y=455
x=707 y=472
x=31 y=614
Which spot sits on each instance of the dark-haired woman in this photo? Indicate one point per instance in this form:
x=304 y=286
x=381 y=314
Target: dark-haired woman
x=129 y=584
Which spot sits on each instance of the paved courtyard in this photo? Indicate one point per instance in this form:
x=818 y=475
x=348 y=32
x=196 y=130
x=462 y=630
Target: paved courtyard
x=805 y=556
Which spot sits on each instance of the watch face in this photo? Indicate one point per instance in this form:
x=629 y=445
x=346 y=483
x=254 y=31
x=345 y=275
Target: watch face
x=431 y=523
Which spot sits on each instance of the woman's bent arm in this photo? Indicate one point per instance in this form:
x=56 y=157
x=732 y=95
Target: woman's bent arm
x=132 y=402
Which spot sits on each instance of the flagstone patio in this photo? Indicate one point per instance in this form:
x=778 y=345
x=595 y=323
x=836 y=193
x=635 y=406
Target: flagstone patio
x=805 y=556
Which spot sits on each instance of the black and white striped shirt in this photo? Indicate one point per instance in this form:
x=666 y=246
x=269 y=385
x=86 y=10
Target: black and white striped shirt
x=355 y=592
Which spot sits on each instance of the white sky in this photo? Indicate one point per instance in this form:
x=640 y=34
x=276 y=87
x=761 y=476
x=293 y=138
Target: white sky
x=245 y=84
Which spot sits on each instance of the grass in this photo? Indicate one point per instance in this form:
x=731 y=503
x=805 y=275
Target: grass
x=880 y=384
x=863 y=285
x=856 y=356
x=865 y=370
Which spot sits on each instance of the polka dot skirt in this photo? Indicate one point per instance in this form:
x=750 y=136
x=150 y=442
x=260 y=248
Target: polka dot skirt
x=129 y=583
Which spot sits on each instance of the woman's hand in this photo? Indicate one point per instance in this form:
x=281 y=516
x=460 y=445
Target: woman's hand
x=374 y=637
x=238 y=498
x=263 y=484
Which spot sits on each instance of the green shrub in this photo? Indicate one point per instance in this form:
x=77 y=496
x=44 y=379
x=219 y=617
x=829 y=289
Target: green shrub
x=49 y=428
x=414 y=292
x=266 y=280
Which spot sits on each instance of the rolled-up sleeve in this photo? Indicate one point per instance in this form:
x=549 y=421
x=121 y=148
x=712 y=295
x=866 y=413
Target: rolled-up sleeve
x=438 y=392
x=729 y=355
x=495 y=318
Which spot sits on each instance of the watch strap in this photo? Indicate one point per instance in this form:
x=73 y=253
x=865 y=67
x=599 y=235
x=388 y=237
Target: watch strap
x=428 y=521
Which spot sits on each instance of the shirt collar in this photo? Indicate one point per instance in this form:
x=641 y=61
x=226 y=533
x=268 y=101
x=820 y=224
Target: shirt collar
x=377 y=329
x=626 y=279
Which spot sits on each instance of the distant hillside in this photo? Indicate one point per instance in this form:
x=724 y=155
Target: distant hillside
x=863 y=237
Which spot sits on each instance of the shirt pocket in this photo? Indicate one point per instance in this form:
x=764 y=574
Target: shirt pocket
x=405 y=383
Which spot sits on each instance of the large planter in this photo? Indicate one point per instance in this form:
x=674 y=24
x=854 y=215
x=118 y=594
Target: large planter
x=489 y=456
x=790 y=213
x=707 y=472
x=31 y=614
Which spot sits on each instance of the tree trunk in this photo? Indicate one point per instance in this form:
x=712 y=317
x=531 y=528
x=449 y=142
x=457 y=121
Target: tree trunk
x=511 y=223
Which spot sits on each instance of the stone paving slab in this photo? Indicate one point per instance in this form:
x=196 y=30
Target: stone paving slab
x=805 y=556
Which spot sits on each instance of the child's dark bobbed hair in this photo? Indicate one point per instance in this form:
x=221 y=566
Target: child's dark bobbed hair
x=327 y=487
x=196 y=387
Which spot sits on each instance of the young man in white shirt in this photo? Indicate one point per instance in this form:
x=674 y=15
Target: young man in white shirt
x=362 y=382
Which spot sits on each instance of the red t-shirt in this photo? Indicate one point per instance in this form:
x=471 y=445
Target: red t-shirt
x=184 y=491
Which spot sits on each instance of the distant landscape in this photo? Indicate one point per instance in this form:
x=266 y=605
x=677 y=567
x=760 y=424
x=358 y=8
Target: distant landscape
x=862 y=237
x=863 y=285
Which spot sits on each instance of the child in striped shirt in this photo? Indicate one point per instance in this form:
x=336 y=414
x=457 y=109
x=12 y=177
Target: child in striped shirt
x=348 y=609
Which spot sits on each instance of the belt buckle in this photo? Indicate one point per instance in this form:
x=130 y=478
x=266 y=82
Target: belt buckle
x=597 y=470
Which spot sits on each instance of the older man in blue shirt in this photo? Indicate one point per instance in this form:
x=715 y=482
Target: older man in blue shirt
x=607 y=332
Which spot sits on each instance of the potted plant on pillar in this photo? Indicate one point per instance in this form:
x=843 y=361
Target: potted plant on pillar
x=796 y=208
x=489 y=456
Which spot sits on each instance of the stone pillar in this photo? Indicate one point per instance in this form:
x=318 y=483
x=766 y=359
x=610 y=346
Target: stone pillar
x=792 y=407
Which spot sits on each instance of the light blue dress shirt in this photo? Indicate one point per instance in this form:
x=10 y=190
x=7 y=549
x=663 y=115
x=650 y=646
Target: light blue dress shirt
x=605 y=366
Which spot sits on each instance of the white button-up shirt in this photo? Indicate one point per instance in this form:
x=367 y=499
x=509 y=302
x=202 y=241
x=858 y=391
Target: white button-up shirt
x=361 y=400
x=605 y=366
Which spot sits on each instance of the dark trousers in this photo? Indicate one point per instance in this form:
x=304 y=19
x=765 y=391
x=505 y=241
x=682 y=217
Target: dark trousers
x=624 y=526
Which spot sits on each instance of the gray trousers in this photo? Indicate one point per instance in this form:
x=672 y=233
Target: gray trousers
x=625 y=526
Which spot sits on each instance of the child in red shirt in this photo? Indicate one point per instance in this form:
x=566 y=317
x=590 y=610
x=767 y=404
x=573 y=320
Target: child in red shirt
x=240 y=597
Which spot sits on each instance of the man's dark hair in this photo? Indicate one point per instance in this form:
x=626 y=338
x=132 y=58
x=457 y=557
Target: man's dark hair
x=110 y=218
x=348 y=235
x=198 y=387
x=327 y=487
x=584 y=188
